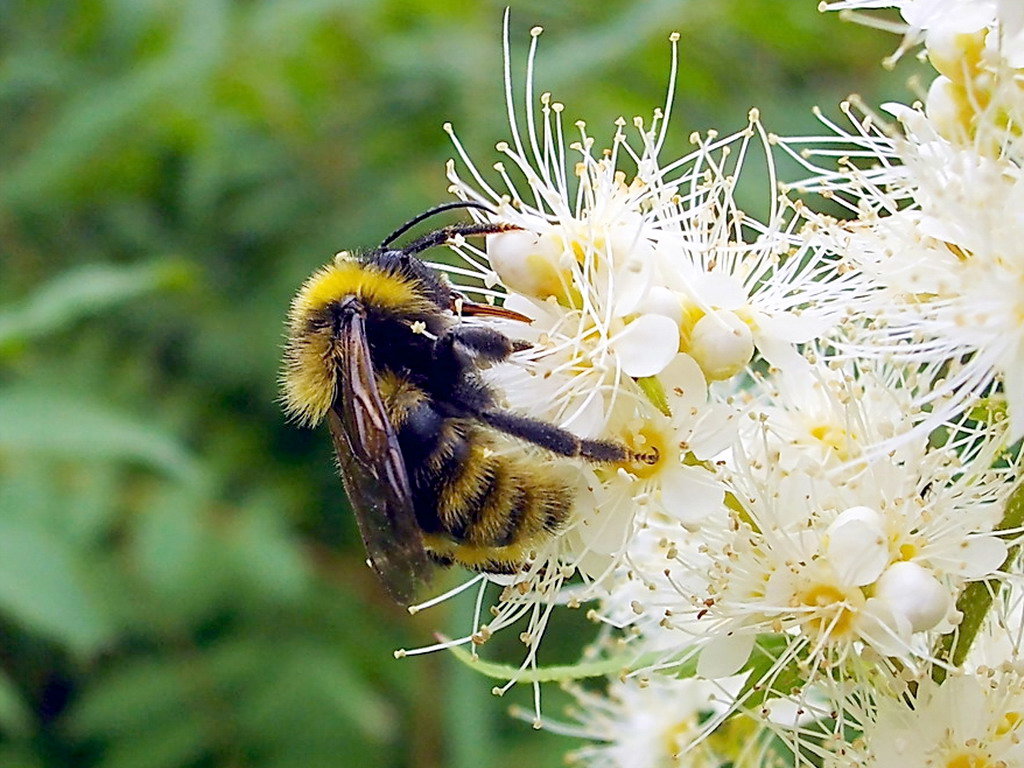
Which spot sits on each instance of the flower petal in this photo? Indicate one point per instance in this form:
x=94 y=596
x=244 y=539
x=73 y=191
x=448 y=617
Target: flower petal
x=857 y=546
x=685 y=385
x=690 y=494
x=981 y=556
x=647 y=345
x=725 y=655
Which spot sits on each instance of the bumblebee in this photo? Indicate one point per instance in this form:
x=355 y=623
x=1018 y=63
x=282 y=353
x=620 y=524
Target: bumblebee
x=435 y=470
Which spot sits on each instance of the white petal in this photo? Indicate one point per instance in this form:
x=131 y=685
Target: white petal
x=718 y=290
x=716 y=430
x=526 y=306
x=528 y=262
x=647 y=345
x=725 y=656
x=633 y=277
x=790 y=327
x=596 y=566
x=981 y=556
x=661 y=301
x=586 y=415
x=856 y=546
x=1011 y=17
x=593 y=565
x=887 y=631
x=684 y=384
x=914 y=593
x=690 y=494
x=1013 y=386
x=605 y=528
x=939 y=16
x=942 y=104
x=780 y=353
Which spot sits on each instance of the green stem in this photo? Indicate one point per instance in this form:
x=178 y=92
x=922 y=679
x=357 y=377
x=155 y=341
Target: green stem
x=978 y=596
x=552 y=674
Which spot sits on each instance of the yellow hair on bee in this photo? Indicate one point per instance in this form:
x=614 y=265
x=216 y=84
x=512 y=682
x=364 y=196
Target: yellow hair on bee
x=477 y=558
x=455 y=498
x=309 y=378
x=349 y=277
x=399 y=396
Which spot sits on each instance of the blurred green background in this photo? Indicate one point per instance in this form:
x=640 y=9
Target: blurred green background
x=181 y=583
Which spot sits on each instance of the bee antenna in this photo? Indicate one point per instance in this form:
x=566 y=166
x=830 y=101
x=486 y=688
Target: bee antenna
x=433 y=212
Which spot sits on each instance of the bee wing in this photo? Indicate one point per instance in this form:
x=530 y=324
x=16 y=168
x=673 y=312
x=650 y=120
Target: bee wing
x=373 y=469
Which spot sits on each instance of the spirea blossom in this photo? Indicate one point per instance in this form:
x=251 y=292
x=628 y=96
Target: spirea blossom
x=871 y=557
x=970 y=721
x=821 y=412
x=645 y=292
x=650 y=295
x=655 y=723
x=934 y=20
x=937 y=230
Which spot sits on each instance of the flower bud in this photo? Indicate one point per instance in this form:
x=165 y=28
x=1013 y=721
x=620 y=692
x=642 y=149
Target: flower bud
x=531 y=264
x=722 y=344
x=912 y=591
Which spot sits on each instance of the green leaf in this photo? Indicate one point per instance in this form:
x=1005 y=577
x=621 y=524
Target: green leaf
x=83 y=291
x=265 y=553
x=102 y=113
x=308 y=675
x=138 y=694
x=170 y=543
x=41 y=586
x=18 y=756
x=53 y=423
x=175 y=743
x=15 y=717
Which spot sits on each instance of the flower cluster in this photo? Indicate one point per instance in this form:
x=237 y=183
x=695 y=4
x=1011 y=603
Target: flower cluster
x=818 y=515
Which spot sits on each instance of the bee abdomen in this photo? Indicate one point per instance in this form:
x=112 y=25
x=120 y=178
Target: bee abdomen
x=496 y=500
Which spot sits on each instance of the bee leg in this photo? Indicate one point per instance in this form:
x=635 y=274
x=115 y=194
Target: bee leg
x=485 y=343
x=555 y=439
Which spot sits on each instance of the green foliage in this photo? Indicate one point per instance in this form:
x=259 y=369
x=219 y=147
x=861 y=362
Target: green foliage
x=180 y=582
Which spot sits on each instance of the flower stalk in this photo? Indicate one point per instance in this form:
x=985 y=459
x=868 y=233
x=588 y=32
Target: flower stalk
x=977 y=598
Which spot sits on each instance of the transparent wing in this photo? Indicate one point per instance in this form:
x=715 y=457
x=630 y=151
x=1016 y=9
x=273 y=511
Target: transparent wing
x=373 y=470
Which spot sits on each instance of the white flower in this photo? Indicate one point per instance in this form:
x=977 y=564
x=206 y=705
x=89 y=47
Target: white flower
x=607 y=356
x=641 y=291
x=933 y=20
x=970 y=721
x=812 y=408
x=939 y=229
x=623 y=274
x=839 y=545
x=657 y=722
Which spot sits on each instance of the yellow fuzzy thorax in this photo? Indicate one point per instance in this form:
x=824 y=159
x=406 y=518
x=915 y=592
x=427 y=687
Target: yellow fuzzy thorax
x=349 y=277
x=309 y=379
